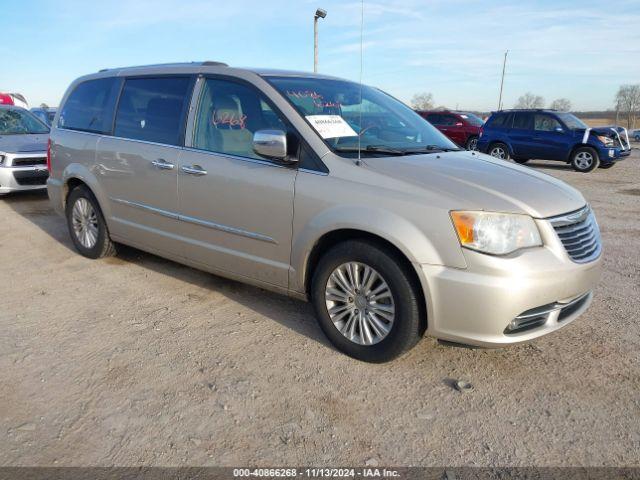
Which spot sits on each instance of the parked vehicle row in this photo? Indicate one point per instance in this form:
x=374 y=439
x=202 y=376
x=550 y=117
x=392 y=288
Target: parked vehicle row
x=327 y=190
x=522 y=135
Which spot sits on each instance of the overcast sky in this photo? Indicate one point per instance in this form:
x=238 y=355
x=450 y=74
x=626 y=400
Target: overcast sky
x=578 y=49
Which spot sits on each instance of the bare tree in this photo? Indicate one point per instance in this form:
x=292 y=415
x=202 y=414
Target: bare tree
x=561 y=104
x=422 y=101
x=529 y=100
x=628 y=102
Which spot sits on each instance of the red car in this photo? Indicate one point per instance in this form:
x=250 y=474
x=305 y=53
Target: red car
x=461 y=127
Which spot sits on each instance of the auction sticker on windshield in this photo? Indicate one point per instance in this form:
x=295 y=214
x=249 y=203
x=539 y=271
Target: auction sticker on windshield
x=331 y=126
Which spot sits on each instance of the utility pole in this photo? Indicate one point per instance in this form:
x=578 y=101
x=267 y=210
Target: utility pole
x=504 y=64
x=320 y=13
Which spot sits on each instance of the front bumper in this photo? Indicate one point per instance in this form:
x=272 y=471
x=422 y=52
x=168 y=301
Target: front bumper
x=612 y=154
x=477 y=305
x=23 y=172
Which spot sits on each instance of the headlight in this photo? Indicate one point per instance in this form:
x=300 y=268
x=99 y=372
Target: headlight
x=607 y=141
x=495 y=233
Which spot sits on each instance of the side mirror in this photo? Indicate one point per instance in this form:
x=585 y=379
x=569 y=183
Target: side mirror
x=270 y=144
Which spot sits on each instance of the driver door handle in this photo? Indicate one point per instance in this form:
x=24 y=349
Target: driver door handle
x=162 y=164
x=194 y=170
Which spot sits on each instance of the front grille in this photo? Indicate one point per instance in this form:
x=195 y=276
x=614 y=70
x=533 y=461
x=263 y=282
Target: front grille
x=29 y=161
x=30 y=177
x=579 y=233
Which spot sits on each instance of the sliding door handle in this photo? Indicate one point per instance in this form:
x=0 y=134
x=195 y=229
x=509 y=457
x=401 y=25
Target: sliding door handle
x=162 y=164
x=194 y=170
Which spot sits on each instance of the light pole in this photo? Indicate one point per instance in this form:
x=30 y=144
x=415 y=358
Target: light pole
x=320 y=13
x=504 y=64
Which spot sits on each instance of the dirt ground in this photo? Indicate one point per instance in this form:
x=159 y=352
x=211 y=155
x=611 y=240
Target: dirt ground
x=136 y=360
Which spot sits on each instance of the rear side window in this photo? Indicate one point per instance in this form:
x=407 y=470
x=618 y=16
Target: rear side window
x=90 y=106
x=153 y=109
x=449 y=120
x=522 y=121
x=499 y=120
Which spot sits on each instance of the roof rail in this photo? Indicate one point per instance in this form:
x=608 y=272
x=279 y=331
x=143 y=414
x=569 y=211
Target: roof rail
x=206 y=63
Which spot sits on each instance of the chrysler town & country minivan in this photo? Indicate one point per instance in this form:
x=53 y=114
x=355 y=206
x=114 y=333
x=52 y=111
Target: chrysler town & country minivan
x=321 y=189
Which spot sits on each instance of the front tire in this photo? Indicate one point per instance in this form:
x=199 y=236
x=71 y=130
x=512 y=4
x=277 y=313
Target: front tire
x=499 y=150
x=88 y=230
x=366 y=302
x=585 y=159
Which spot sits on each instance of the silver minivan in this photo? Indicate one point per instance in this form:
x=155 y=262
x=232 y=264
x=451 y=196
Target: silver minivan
x=327 y=190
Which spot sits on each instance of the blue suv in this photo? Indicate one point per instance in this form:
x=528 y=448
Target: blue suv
x=550 y=135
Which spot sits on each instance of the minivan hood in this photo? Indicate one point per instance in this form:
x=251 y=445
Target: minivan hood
x=476 y=181
x=23 y=143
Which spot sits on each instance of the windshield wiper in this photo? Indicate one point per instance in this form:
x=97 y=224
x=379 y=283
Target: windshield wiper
x=373 y=149
x=432 y=148
x=398 y=151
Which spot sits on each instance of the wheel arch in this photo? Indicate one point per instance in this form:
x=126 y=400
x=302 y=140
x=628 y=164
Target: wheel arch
x=76 y=175
x=581 y=145
x=335 y=237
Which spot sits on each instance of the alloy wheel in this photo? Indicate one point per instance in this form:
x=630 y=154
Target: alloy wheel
x=85 y=223
x=360 y=303
x=498 y=152
x=584 y=160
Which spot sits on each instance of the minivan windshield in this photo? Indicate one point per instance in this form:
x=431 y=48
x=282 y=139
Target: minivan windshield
x=20 y=122
x=349 y=117
x=571 y=121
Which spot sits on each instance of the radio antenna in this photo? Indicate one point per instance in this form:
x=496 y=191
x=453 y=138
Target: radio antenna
x=359 y=161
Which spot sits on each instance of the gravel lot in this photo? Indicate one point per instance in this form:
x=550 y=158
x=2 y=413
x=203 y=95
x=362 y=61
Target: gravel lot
x=136 y=360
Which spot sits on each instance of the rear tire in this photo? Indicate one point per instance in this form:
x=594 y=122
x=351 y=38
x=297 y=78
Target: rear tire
x=88 y=230
x=499 y=150
x=379 y=312
x=472 y=144
x=585 y=159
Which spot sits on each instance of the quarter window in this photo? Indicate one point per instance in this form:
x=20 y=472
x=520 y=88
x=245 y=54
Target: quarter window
x=90 y=106
x=153 y=109
x=499 y=120
x=228 y=115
